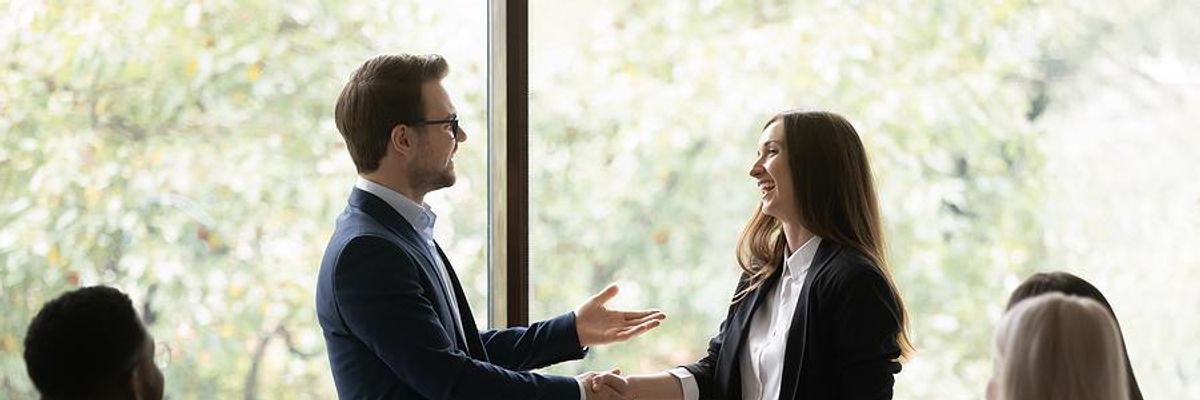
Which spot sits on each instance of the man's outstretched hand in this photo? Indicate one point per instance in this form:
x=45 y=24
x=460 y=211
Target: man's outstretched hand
x=596 y=324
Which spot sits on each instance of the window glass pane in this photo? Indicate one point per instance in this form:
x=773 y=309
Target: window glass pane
x=185 y=152
x=1006 y=138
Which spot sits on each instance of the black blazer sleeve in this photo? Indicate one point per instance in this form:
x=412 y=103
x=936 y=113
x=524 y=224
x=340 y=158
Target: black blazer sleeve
x=704 y=370
x=378 y=292
x=865 y=321
x=541 y=344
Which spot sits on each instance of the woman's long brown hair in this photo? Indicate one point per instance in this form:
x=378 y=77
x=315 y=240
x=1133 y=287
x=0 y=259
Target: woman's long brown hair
x=835 y=195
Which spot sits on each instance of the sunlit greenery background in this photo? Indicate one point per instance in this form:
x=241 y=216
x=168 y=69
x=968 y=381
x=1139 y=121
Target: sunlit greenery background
x=185 y=152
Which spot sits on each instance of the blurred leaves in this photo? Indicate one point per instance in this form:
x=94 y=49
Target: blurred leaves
x=185 y=152
x=644 y=117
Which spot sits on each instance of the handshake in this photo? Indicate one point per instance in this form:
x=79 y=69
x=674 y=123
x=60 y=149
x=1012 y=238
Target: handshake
x=597 y=325
x=613 y=385
x=605 y=385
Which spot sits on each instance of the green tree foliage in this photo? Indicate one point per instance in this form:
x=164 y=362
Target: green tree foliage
x=185 y=152
x=645 y=117
x=659 y=106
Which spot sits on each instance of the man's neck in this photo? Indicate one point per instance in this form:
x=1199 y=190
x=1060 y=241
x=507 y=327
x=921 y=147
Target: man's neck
x=397 y=184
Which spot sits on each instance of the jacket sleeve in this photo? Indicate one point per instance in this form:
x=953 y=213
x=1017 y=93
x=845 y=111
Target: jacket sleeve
x=541 y=344
x=866 y=320
x=704 y=370
x=378 y=292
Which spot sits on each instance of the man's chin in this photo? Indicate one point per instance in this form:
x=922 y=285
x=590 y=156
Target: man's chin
x=446 y=180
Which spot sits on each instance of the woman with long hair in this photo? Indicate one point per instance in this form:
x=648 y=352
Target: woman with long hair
x=1058 y=347
x=816 y=314
x=1066 y=283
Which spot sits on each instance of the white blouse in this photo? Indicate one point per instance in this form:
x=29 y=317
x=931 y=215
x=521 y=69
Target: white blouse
x=761 y=360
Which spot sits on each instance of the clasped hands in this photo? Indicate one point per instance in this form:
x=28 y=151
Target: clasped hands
x=597 y=325
x=605 y=385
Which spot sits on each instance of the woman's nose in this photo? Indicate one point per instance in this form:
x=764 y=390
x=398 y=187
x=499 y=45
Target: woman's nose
x=756 y=169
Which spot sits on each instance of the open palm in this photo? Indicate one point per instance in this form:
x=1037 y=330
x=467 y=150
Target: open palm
x=597 y=325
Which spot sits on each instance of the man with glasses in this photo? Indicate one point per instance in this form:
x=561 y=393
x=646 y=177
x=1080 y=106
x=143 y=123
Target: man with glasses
x=396 y=322
x=90 y=344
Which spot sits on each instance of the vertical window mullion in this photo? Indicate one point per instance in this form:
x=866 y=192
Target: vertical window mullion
x=517 y=31
x=508 y=163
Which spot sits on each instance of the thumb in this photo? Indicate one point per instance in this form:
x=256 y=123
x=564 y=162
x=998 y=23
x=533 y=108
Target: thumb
x=602 y=379
x=605 y=295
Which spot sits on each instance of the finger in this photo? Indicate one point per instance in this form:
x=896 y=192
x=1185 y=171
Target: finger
x=607 y=375
x=628 y=315
x=615 y=385
x=588 y=379
x=645 y=319
x=615 y=371
x=605 y=295
x=628 y=333
x=608 y=379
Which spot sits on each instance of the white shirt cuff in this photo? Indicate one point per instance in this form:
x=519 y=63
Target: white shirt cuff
x=688 y=381
x=582 y=390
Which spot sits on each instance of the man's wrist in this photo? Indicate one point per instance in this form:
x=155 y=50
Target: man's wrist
x=582 y=388
x=583 y=343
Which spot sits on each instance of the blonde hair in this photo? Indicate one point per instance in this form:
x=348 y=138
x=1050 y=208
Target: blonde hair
x=1059 y=347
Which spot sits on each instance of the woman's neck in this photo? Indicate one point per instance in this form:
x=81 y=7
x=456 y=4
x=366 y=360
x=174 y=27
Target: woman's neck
x=796 y=235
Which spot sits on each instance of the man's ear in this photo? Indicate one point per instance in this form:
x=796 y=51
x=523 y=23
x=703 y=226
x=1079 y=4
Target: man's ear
x=402 y=140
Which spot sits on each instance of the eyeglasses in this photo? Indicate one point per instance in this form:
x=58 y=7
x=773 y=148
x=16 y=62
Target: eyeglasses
x=453 y=121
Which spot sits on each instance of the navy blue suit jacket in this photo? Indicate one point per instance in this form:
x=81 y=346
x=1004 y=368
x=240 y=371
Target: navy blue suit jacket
x=390 y=332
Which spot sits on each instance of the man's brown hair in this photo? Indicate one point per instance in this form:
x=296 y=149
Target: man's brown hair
x=382 y=93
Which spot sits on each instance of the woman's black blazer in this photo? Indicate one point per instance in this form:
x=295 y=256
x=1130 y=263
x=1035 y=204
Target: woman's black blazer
x=842 y=343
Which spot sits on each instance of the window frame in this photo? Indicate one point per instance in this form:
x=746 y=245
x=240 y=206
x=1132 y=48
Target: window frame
x=508 y=163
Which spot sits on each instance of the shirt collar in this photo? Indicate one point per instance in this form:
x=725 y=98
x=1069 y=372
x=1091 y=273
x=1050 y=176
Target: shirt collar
x=420 y=216
x=802 y=258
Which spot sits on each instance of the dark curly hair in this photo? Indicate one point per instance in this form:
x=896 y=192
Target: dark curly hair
x=84 y=342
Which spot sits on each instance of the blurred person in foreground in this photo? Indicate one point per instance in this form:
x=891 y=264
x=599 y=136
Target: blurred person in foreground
x=396 y=322
x=816 y=314
x=1058 y=347
x=90 y=344
x=1066 y=283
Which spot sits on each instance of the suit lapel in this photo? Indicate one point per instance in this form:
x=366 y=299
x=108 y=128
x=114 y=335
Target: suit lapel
x=797 y=340
x=739 y=329
x=394 y=222
x=471 y=342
